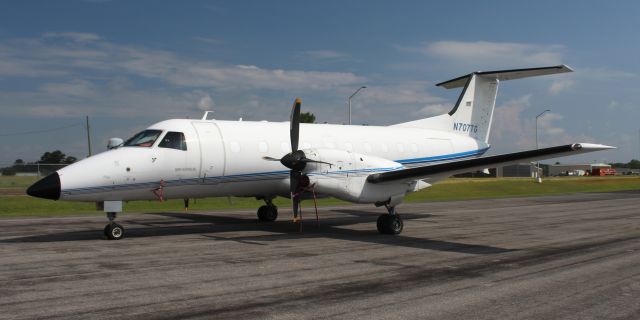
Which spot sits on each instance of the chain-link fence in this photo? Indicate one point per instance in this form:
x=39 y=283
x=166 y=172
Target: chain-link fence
x=30 y=169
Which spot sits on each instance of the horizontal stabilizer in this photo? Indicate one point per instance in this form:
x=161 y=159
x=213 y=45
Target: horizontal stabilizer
x=505 y=75
x=462 y=166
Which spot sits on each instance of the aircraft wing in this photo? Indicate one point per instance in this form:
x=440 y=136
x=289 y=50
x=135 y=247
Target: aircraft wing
x=462 y=166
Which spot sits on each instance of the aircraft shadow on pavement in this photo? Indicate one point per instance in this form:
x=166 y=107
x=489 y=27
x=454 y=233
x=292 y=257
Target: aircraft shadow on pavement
x=333 y=227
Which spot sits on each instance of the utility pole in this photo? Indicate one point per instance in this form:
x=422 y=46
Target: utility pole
x=538 y=178
x=363 y=87
x=88 y=136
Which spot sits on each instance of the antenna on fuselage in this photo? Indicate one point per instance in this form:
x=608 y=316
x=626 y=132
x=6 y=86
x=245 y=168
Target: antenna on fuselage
x=206 y=114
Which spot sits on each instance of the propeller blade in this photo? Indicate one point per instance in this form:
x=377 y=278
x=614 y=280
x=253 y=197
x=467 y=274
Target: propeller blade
x=295 y=124
x=307 y=160
x=270 y=159
x=296 y=207
x=294 y=178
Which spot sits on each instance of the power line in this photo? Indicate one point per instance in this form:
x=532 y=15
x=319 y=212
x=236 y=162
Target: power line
x=41 y=131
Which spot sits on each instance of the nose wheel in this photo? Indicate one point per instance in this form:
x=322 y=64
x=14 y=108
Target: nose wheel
x=390 y=223
x=113 y=231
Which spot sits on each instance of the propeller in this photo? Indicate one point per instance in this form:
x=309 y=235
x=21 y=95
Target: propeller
x=296 y=160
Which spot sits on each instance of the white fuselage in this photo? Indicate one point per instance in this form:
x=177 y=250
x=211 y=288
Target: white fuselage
x=225 y=158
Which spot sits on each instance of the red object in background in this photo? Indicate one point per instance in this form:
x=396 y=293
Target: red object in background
x=603 y=172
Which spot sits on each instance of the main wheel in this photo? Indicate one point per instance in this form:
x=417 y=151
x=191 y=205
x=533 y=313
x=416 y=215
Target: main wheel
x=394 y=225
x=114 y=231
x=379 y=223
x=268 y=213
x=390 y=224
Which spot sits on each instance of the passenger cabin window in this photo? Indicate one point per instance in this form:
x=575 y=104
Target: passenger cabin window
x=145 y=138
x=174 y=140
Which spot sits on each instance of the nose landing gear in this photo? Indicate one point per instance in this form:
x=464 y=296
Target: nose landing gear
x=113 y=231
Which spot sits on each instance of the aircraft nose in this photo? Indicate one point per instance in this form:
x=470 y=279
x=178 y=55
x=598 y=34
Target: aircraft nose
x=47 y=187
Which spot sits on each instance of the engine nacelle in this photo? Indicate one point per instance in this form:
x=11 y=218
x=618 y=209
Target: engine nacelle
x=346 y=176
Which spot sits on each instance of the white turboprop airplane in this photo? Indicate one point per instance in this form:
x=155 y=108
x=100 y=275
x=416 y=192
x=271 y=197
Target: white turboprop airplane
x=183 y=158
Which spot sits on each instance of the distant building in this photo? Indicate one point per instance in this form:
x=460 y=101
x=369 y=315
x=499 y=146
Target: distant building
x=524 y=170
x=576 y=169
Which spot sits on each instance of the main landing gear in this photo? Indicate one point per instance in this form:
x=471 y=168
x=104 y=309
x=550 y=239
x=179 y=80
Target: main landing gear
x=113 y=231
x=268 y=212
x=390 y=223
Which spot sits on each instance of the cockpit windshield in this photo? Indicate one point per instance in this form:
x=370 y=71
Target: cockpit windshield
x=145 y=138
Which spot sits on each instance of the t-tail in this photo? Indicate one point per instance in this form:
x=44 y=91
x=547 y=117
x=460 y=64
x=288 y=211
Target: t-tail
x=473 y=113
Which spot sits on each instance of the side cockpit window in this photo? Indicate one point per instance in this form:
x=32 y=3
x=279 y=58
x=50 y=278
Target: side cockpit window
x=174 y=140
x=145 y=138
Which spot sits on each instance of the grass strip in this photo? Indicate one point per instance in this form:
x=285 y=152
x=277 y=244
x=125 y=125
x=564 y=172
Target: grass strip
x=448 y=190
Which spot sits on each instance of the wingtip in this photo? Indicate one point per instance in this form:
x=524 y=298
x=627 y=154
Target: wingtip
x=566 y=68
x=591 y=146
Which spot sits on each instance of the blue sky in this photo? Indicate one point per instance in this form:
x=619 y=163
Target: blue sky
x=128 y=64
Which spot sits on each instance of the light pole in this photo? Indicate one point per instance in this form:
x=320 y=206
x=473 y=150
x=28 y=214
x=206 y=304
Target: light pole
x=89 y=136
x=537 y=162
x=363 y=87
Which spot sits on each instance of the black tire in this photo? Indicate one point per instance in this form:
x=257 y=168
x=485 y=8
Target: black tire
x=380 y=223
x=272 y=213
x=261 y=213
x=114 y=231
x=389 y=224
x=394 y=224
x=267 y=213
x=106 y=231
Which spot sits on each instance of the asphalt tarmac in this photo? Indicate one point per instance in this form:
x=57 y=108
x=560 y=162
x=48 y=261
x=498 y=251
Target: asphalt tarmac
x=558 y=257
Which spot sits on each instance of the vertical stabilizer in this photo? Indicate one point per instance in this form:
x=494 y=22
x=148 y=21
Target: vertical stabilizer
x=473 y=113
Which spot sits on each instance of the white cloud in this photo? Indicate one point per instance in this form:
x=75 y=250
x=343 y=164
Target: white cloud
x=74 y=36
x=35 y=57
x=546 y=126
x=206 y=103
x=560 y=85
x=492 y=54
x=512 y=130
x=410 y=92
x=51 y=65
x=119 y=101
x=508 y=128
x=434 y=109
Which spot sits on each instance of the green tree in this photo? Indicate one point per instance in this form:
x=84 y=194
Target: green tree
x=52 y=157
x=18 y=162
x=307 y=117
x=56 y=157
x=633 y=164
x=70 y=160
